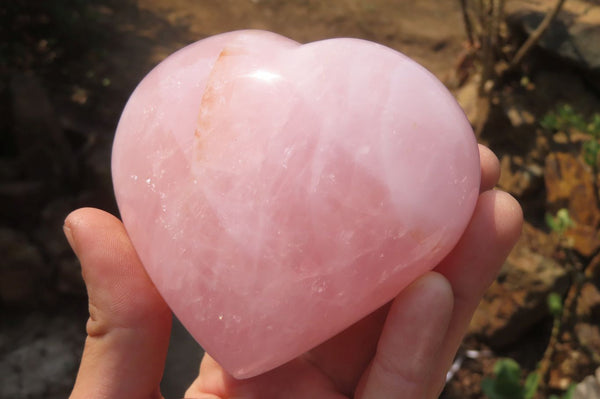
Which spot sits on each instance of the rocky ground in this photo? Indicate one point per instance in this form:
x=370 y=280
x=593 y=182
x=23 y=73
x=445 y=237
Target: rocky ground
x=67 y=69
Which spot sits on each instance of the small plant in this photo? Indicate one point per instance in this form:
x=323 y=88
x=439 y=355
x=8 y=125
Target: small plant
x=590 y=150
x=566 y=119
x=561 y=222
x=555 y=305
x=506 y=383
x=563 y=119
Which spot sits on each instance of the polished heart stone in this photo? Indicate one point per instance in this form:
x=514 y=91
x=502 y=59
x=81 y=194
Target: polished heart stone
x=276 y=193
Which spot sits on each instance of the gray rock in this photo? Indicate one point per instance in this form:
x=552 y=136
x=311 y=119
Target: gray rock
x=36 y=368
x=589 y=388
x=574 y=35
x=39 y=356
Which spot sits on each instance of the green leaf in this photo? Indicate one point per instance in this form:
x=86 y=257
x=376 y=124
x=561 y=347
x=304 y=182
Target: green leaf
x=508 y=378
x=565 y=118
x=561 y=222
x=531 y=385
x=594 y=126
x=555 y=304
x=550 y=222
x=488 y=386
x=570 y=392
x=565 y=111
x=506 y=383
x=564 y=218
x=549 y=121
x=591 y=148
x=568 y=118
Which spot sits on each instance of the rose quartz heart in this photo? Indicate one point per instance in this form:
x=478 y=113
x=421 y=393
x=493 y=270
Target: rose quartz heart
x=277 y=193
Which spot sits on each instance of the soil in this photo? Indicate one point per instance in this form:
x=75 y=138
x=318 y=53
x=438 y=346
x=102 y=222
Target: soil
x=87 y=58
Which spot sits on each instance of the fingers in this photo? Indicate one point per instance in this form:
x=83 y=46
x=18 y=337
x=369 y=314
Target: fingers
x=410 y=341
x=297 y=379
x=474 y=263
x=129 y=325
x=490 y=168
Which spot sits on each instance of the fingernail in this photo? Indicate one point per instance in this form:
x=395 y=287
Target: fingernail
x=69 y=235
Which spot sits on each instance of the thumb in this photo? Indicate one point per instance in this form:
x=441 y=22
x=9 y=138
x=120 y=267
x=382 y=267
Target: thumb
x=129 y=325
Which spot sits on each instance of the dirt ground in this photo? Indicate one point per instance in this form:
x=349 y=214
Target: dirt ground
x=132 y=37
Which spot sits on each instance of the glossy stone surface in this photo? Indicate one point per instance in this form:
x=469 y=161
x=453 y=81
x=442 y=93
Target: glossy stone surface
x=276 y=193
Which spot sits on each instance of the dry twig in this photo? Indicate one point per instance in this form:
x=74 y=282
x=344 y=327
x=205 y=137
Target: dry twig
x=536 y=35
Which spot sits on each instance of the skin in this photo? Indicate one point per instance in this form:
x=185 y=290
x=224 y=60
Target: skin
x=399 y=351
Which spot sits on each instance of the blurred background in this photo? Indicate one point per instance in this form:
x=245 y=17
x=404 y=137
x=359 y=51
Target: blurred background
x=527 y=74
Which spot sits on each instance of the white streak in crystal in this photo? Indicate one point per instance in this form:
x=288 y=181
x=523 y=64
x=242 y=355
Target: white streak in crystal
x=264 y=75
x=151 y=184
x=287 y=153
x=319 y=286
x=148 y=110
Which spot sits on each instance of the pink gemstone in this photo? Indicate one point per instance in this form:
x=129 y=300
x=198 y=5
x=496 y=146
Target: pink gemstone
x=277 y=193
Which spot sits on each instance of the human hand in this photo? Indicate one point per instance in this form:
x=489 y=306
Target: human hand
x=401 y=350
